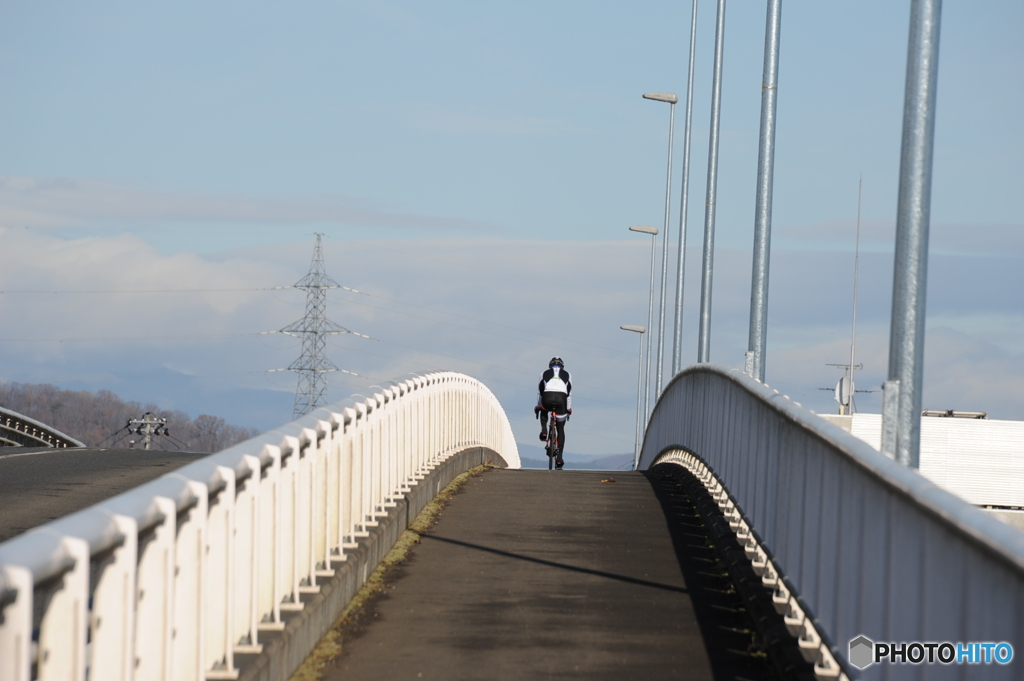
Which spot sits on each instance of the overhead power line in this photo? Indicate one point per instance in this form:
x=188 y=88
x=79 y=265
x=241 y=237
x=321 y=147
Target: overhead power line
x=106 y=339
x=164 y=290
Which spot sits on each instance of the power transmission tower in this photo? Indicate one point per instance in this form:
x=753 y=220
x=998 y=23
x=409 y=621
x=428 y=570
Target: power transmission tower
x=312 y=366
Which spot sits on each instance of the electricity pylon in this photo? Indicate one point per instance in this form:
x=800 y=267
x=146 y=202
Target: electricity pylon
x=312 y=366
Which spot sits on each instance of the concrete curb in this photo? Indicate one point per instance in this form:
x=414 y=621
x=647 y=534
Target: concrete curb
x=284 y=651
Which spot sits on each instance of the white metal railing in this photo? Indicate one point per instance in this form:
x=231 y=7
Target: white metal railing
x=22 y=431
x=170 y=580
x=850 y=542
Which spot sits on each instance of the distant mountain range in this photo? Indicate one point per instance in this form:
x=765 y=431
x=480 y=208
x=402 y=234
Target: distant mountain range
x=532 y=456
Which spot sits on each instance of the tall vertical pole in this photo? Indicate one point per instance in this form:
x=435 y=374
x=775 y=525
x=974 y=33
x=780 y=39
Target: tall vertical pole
x=639 y=384
x=664 y=249
x=653 y=231
x=677 y=339
x=763 y=211
x=707 y=262
x=856 y=283
x=906 y=335
x=650 y=318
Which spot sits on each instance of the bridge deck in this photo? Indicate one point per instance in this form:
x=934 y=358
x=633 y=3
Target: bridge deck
x=541 y=575
x=37 y=486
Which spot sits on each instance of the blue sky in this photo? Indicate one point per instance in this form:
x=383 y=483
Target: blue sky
x=208 y=141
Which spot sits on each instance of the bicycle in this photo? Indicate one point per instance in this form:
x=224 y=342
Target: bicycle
x=551 y=443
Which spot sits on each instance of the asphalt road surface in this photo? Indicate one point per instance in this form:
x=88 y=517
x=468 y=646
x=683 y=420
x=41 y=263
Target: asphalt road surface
x=43 y=485
x=557 y=575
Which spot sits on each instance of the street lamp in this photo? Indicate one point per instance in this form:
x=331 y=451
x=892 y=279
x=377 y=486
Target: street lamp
x=684 y=194
x=639 y=373
x=757 y=342
x=901 y=394
x=653 y=231
x=708 y=257
x=671 y=99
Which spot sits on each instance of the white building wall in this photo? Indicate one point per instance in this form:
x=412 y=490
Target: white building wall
x=981 y=460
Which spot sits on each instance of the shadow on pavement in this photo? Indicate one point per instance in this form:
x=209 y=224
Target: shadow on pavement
x=563 y=566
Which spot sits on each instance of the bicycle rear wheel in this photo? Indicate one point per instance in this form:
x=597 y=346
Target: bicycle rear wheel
x=552 y=444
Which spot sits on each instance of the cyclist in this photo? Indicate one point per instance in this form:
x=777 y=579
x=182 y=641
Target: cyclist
x=554 y=393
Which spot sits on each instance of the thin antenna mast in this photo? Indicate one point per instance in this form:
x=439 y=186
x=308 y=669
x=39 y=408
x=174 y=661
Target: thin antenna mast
x=856 y=277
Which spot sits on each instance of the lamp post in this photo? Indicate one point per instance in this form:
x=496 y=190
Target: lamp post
x=671 y=99
x=708 y=258
x=653 y=231
x=757 y=341
x=901 y=394
x=639 y=374
x=677 y=339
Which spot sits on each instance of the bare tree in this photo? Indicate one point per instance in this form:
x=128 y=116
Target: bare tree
x=92 y=418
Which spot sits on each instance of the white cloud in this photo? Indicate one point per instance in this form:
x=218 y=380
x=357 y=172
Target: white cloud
x=63 y=202
x=496 y=309
x=878 y=236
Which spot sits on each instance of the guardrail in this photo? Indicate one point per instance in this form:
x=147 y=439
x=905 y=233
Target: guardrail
x=850 y=542
x=172 y=579
x=18 y=430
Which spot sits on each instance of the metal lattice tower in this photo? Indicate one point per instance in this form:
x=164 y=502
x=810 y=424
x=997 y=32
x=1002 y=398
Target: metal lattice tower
x=312 y=366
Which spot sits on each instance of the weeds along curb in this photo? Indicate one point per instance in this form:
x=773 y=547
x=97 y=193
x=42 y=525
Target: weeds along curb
x=287 y=654
x=330 y=647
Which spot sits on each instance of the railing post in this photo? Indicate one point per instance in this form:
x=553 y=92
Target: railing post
x=218 y=577
x=188 y=642
x=360 y=475
x=289 y=550
x=322 y=513
x=62 y=631
x=16 y=625
x=377 y=458
x=346 y=484
x=269 y=593
x=246 y=576
x=333 y=502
